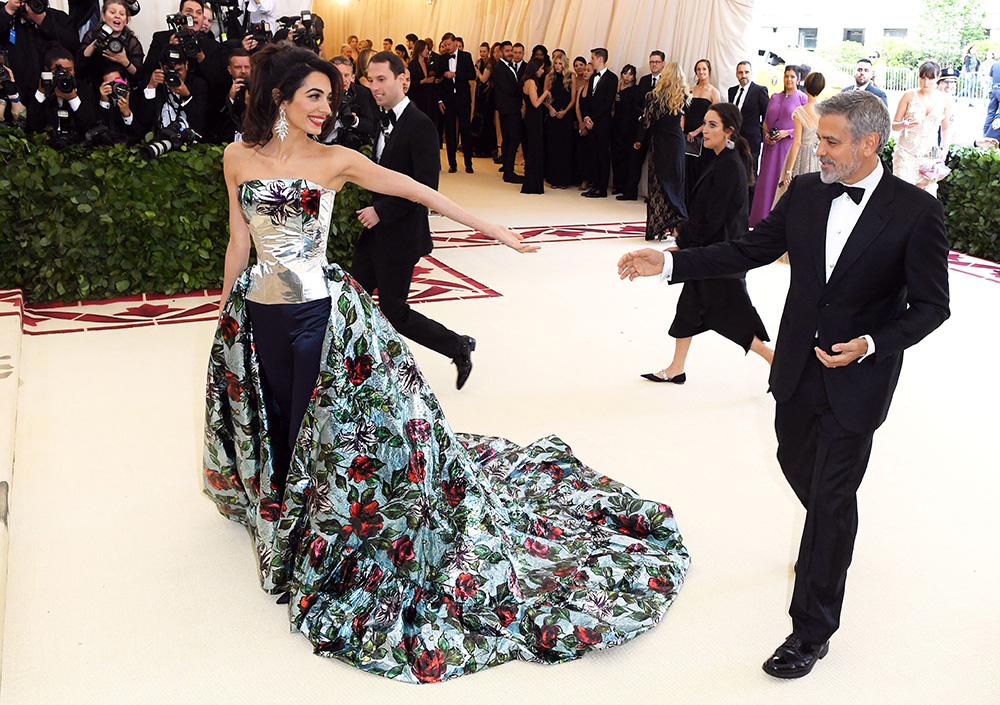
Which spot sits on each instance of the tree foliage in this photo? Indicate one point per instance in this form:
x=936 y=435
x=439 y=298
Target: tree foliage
x=947 y=27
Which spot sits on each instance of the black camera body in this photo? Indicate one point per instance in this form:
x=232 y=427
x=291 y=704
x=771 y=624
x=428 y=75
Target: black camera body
x=107 y=41
x=63 y=80
x=183 y=28
x=261 y=32
x=171 y=74
x=173 y=136
x=172 y=77
x=37 y=6
x=119 y=89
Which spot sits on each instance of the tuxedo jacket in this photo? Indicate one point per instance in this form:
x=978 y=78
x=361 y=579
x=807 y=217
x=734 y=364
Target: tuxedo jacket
x=212 y=69
x=754 y=109
x=507 y=89
x=890 y=282
x=148 y=111
x=871 y=88
x=456 y=92
x=43 y=116
x=600 y=101
x=403 y=232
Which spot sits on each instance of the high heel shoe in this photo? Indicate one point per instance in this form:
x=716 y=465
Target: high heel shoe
x=676 y=379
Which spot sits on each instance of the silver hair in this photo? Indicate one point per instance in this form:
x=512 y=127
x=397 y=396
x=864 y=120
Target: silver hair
x=865 y=113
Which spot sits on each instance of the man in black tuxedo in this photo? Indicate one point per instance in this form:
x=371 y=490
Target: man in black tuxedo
x=596 y=111
x=869 y=278
x=69 y=113
x=752 y=99
x=510 y=106
x=863 y=80
x=454 y=69
x=160 y=105
x=657 y=60
x=396 y=231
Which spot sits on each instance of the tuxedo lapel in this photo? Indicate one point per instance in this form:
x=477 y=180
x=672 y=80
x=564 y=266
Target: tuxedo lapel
x=394 y=136
x=871 y=223
x=815 y=230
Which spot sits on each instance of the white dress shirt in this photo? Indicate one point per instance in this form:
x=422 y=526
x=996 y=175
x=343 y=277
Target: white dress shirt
x=74 y=103
x=741 y=95
x=844 y=215
x=387 y=130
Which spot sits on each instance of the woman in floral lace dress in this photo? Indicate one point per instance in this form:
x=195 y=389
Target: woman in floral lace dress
x=405 y=549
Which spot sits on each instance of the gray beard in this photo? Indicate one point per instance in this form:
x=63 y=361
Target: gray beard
x=842 y=171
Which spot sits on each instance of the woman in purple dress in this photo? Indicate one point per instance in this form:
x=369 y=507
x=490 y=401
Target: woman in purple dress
x=778 y=129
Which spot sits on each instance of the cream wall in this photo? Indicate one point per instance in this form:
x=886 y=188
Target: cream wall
x=686 y=30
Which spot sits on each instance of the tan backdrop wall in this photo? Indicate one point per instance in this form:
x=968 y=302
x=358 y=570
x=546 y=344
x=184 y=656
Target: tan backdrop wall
x=685 y=30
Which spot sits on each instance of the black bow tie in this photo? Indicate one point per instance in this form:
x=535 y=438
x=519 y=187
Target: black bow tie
x=388 y=118
x=855 y=192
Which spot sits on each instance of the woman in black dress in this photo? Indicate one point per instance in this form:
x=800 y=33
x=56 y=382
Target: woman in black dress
x=422 y=91
x=628 y=108
x=484 y=133
x=559 y=126
x=703 y=95
x=717 y=211
x=661 y=120
x=532 y=85
x=584 y=165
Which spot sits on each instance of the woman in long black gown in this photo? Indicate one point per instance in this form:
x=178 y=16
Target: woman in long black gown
x=661 y=120
x=718 y=210
x=422 y=90
x=703 y=96
x=628 y=108
x=584 y=167
x=559 y=126
x=484 y=133
x=532 y=85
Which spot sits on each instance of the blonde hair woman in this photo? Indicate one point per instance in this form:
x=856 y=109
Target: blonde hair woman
x=662 y=119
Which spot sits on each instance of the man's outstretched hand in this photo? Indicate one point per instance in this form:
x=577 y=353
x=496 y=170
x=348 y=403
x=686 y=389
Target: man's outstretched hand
x=646 y=262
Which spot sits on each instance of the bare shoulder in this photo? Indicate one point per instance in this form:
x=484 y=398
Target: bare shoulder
x=234 y=157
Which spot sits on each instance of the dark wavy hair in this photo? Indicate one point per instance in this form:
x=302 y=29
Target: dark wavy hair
x=283 y=69
x=730 y=116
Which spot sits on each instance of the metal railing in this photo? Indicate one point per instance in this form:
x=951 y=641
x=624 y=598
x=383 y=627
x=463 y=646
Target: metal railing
x=899 y=78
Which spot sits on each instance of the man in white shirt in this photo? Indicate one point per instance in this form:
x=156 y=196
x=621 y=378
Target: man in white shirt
x=869 y=278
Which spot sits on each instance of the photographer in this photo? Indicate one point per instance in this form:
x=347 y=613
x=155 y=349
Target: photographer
x=204 y=55
x=247 y=13
x=12 y=110
x=114 y=110
x=111 y=45
x=305 y=31
x=173 y=94
x=357 y=121
x=61 y=104
x=229 y=117
x=27 y=29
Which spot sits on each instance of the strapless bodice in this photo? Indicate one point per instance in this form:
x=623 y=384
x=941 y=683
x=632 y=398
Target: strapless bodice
x=289 y=221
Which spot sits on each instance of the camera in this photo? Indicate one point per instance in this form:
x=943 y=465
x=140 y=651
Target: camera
x=173 y=136
x=46 y=81
x=102 y=136
x=63 y=80
x=37 y=6
x=260 y=31
x=301 y=36
x=171 y=75
x=106 y=40
x=772 y=132
x=119 y=89
x=64 y=135
x=183 y=28
x=133 y=6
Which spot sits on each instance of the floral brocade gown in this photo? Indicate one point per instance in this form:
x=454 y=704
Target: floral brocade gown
x=408 y=550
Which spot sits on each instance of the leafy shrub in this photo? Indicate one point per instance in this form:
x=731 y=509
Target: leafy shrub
x=971 y=201
x=844 y=52
x=85 y=223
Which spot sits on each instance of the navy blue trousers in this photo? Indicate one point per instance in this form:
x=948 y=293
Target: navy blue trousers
x=289 y=341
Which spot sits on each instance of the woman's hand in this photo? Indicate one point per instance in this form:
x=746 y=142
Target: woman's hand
x=120 y=58
x=782 y=134
x=508 y=237
x=786 y=178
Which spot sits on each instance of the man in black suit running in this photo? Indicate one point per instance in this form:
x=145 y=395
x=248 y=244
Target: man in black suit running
x=396 y=231
x=751 y=98
x=454 y=69
x=869 y=278
x=596 y=111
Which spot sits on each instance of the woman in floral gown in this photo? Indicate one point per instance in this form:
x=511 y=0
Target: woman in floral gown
x=405 y=549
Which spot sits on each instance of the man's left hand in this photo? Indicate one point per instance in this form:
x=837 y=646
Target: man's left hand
x=368 y=217
x=844 y=353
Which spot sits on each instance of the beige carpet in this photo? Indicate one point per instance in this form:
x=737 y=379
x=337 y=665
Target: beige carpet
x=126 y=586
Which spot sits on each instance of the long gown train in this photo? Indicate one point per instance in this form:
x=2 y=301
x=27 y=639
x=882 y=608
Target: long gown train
x=411 y=551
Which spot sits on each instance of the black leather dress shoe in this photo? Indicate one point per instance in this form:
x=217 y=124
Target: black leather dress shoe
x=498 y=160
x=513 y=179
x=794 y=658
x=468 y=169
x=594 y=193
x=676 y=379
x=626 y=197
x=452 y=169
x=463 y=361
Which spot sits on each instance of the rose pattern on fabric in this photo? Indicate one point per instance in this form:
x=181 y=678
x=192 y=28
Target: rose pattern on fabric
x=408 y=550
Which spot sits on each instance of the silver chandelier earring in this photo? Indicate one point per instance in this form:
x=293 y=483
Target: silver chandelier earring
x=281 y=126
x=730 y=144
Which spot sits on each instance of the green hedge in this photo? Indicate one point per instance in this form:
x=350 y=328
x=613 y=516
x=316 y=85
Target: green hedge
x=971 y=198
x=85 y=223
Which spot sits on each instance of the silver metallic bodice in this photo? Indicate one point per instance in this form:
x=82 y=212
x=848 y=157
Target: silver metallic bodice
x=289 y=221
